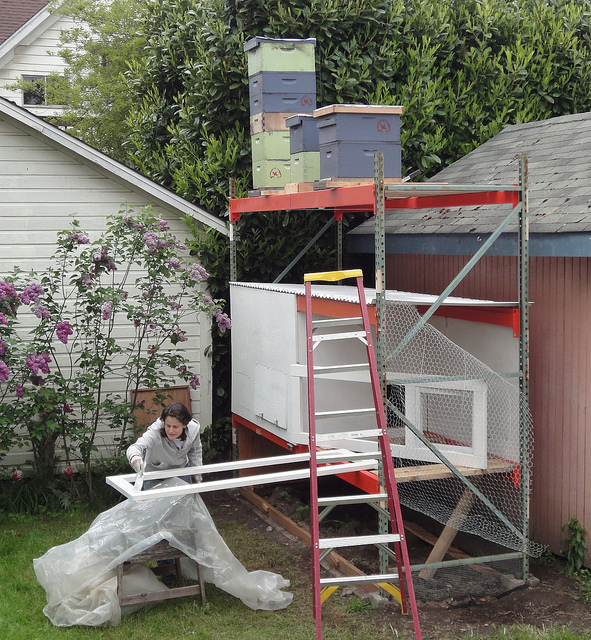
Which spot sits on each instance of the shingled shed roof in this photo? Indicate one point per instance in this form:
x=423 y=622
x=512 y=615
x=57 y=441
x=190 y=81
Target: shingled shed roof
x=559 y=182
x=15 y=13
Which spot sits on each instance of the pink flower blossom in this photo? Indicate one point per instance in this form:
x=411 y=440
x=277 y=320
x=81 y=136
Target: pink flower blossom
x=107 y=310
x=7 y=290
x=4 y=371
x=174 y=263
x=68 y=408
x=162 y=225
x=17 y=475
x=2 y=347
x=140 y=404
x=63 y=330
x=3 y=319
x=150 y=239
x=178 y=335
x=32 y=293
x=198 y=273
x=38 y=362
x=194 y=381
x=19 y=390
x=78 y=237
x=42 y=312
x=223 y=320
x=68 y=471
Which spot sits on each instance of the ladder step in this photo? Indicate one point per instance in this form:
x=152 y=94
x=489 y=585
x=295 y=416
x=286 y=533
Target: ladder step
x=342 y=368
x=344 y=413
x=345 y=580
x=345 y=335
x=357 y=499
x=342 y=455
x=337 y=322
x=356 y=541
x=348 y=435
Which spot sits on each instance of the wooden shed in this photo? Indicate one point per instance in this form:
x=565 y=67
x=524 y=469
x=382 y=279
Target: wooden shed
x=427 y=248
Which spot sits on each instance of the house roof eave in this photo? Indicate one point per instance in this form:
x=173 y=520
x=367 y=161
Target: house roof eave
x=86 y=154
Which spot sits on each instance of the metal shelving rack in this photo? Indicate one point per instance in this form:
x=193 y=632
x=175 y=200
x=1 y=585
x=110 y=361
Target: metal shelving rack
x=378 y=197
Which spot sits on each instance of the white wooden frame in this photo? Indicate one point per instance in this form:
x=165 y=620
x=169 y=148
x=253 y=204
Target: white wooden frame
x=474 y=455
x=335 y=461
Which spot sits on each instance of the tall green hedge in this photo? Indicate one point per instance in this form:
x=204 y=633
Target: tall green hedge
x=462 y=70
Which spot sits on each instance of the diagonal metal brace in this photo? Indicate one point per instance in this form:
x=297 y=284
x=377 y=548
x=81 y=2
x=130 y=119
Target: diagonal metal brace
x=287 y=269
x=454 y=283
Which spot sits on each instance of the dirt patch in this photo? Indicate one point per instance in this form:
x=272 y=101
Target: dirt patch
x=553 y=600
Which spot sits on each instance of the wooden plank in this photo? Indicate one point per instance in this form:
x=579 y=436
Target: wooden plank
x=334 y=559
x=158 y=596
x=454 y=552
x=448 y=534
x=370 y=109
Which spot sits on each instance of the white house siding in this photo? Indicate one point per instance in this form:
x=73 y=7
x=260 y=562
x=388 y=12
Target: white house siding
x=40 y=187
x=36 y=54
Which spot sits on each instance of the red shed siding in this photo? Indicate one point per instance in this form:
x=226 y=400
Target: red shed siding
x=560 y=368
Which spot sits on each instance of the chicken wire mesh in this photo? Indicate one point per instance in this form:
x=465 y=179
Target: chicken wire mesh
x=440 y=395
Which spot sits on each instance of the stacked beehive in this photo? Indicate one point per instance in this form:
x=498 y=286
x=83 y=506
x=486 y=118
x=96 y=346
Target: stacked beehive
x=350 y=135
x=282 y=82
x=304 y=150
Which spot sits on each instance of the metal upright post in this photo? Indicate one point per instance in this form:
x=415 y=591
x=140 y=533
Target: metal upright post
x=233 y=278
x=339 y=241
x=233 y=224
x=523 y=284
x=380 y=260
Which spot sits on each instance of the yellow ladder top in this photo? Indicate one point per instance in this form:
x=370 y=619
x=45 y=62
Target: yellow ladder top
x=333 y=276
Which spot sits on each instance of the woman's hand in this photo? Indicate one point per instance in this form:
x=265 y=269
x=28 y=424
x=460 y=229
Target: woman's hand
x=137 y=464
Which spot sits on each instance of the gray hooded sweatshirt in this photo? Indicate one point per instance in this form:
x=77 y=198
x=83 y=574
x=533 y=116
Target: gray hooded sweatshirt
x=163 y=453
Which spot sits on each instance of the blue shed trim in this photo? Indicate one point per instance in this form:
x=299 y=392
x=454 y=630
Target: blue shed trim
x=571 y=245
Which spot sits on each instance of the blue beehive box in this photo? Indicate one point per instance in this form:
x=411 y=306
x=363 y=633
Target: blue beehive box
x=283 y=103
x=282 y=82
x=303 y=133
x=282 y=92
x=356 y=159
x=350 y=134
x=358 y=123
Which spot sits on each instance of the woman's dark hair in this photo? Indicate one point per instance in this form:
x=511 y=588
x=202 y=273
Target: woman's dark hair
x=180 y=412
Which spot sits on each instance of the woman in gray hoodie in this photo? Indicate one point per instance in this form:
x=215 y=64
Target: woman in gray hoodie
x=172 y=442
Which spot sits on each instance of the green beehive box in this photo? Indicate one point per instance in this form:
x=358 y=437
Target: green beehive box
x=305 y=166
x=270 y=174
x=269 y=145
x=273 y=54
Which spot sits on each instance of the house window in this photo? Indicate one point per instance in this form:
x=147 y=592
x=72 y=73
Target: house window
x=37 y=90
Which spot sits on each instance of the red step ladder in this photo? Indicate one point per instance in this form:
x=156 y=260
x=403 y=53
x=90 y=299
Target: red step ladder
x=394 y=541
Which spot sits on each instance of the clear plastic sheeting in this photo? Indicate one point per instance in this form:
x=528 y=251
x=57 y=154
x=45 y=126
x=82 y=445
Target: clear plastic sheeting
x=79 y=577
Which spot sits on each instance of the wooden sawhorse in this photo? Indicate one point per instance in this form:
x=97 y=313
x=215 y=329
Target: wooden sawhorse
x=160 y=551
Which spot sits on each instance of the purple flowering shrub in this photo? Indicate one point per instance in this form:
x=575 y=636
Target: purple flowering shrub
x=121 y=309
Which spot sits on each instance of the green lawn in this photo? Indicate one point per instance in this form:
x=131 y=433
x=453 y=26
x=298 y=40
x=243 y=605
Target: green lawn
x=23 y=538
